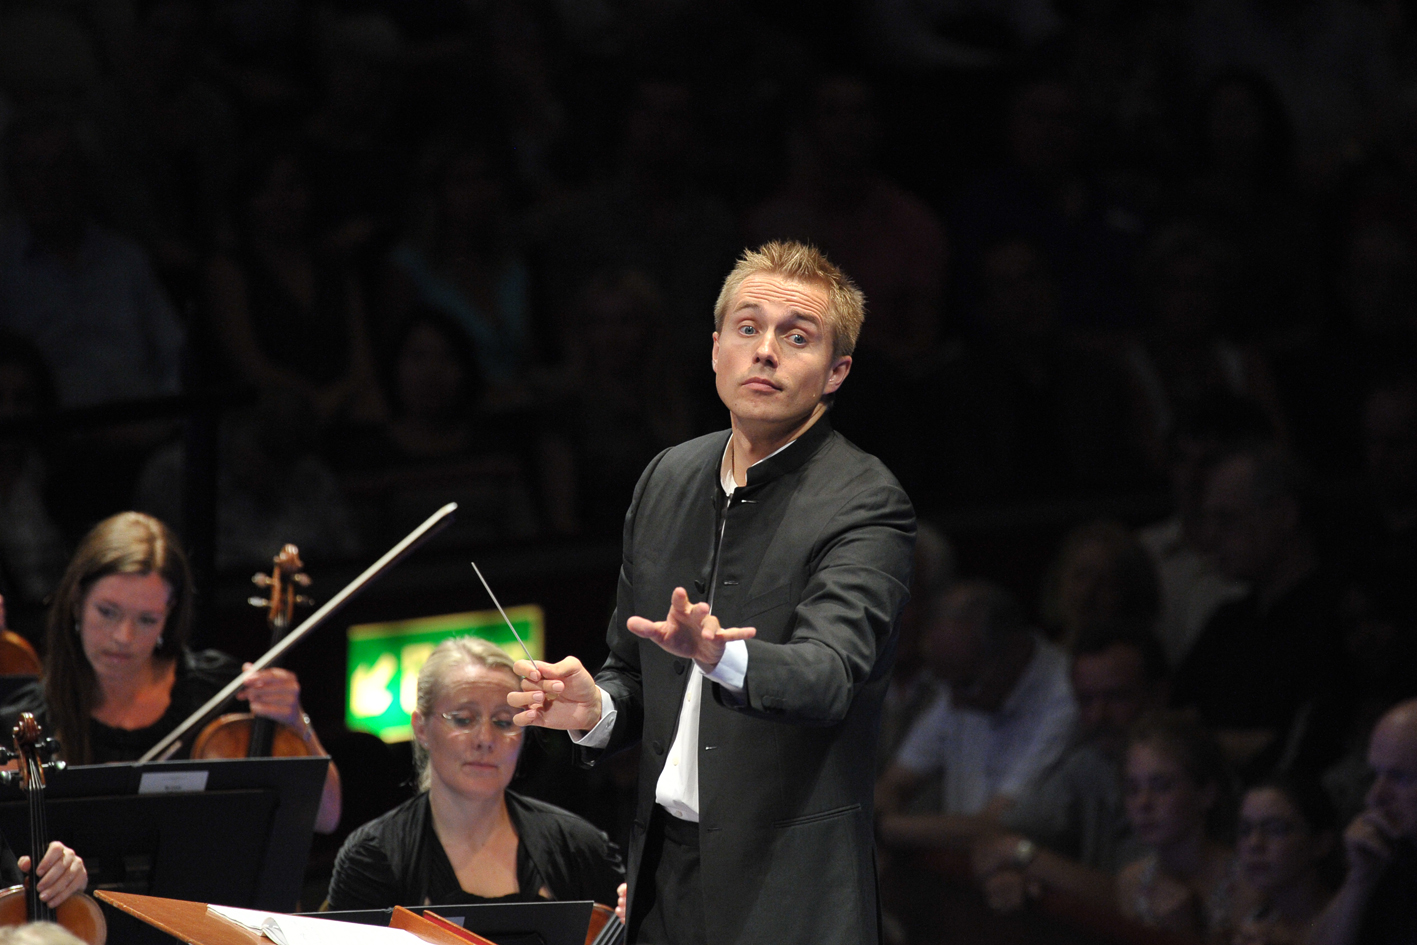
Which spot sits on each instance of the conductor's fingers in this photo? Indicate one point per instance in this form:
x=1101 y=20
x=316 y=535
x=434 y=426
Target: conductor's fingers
x=640 y=627
x=735 y=633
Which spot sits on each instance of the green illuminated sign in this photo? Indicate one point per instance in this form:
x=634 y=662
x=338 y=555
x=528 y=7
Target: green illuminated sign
x=384 y=660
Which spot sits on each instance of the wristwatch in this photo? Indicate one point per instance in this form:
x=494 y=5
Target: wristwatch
x=1024 y=852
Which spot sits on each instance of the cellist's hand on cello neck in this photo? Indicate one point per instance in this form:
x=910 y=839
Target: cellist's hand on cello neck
x=556 y=695
x=61 y=873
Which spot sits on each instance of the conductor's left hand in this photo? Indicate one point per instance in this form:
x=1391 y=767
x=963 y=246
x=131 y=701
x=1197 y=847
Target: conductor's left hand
x=274 y=693
x=689 y=630
x=61 y=873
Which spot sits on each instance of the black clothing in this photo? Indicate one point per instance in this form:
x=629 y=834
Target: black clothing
x=671 y=909
x=199 y=676
x=397 y=859
x=814 y=552
x=1391 y=918
x=1280 y=669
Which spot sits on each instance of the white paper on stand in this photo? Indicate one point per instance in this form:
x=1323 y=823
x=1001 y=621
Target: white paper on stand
x=303 y=930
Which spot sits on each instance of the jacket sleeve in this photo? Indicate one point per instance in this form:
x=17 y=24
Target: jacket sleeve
x=843 y=627
x=620 y=676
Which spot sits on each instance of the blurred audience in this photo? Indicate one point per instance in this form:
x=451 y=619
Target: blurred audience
x=32 y=555
x=1069 y=832
x=1175 y=787
x=461 y=259
x=1101 y=575
x=84 y=294
x=1267 y=672
x=1004 y=714
x=1192 y=588
x=1374 y=904
x=289 y=317
x=1285 y=837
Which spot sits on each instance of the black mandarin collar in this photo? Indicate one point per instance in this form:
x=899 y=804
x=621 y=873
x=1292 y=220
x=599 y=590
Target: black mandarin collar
x=792 y=457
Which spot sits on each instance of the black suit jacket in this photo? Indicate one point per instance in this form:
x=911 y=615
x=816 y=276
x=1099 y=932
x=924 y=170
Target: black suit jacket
x=816 y=555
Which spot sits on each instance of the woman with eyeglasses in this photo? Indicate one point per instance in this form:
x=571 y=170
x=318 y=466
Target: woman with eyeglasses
x=465 y=838
x=1286 y=835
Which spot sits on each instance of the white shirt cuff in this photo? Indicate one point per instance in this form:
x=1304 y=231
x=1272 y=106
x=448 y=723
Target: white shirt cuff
x=599 y=736
x=732 y=667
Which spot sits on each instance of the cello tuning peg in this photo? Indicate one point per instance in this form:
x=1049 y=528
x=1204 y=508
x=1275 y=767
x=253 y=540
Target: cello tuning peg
x=261 y=579
x=301 y=578
x=9 y=778
x=304 y=601
x=258 y=602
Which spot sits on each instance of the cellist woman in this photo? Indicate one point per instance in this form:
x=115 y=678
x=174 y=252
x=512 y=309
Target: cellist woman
x=118 y=675
x=61 y=870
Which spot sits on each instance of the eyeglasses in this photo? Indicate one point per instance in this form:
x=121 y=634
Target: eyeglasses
x=465 y=723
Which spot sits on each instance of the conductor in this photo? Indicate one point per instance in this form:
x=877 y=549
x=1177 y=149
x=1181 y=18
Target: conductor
x=779 y=556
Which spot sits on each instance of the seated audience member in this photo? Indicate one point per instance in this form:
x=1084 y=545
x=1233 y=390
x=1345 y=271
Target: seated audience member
x=1380 y=508
x=836 y=198
x=31 y=550
x=1377 y=621
x=288 y=317
x=1070 y=832
x=86 y=296
x=1192 y=588
x=466 y=838
x=1027 y=410
x=627 y=399
x=1267 y=672
x=913 y=687
x=271 y=487
x=1375 y=904
x=1285 y=833
x=1101 y=575
x=461 y=260
x=1174 y=783
x=1004 y=714
x=435 y=446
x=118 y=676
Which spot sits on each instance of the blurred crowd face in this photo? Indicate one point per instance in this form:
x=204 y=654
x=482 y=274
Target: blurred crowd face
x=844 y=128
x=1390 y=443
x=280 y=207
x=471 y=200
x=1276 y=846
x=1380 y=285
x=48 y=181
x=1246 y=536
x=1164 y=805
x=1235 y=128
x=1392 y=754
x=1045 y=130
x=1112 y=693
x=1089 y=587
x=660 y=130
x=1019 y=297
x=429 y=376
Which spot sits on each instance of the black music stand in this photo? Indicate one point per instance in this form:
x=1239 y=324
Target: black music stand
x=233 y=832
x=506 y=923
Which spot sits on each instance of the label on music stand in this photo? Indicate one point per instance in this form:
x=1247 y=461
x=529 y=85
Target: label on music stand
x=172 y=782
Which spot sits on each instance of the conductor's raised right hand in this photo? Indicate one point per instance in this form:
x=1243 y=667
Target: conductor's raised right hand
x=556 y=695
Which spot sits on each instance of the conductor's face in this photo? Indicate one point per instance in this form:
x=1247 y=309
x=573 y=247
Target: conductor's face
x=773 y=355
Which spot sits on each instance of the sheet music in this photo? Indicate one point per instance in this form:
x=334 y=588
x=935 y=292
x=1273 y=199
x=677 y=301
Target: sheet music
x=303 y=930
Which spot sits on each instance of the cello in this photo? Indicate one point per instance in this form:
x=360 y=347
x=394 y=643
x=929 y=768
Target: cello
x=79 y=913
x=241 y=734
